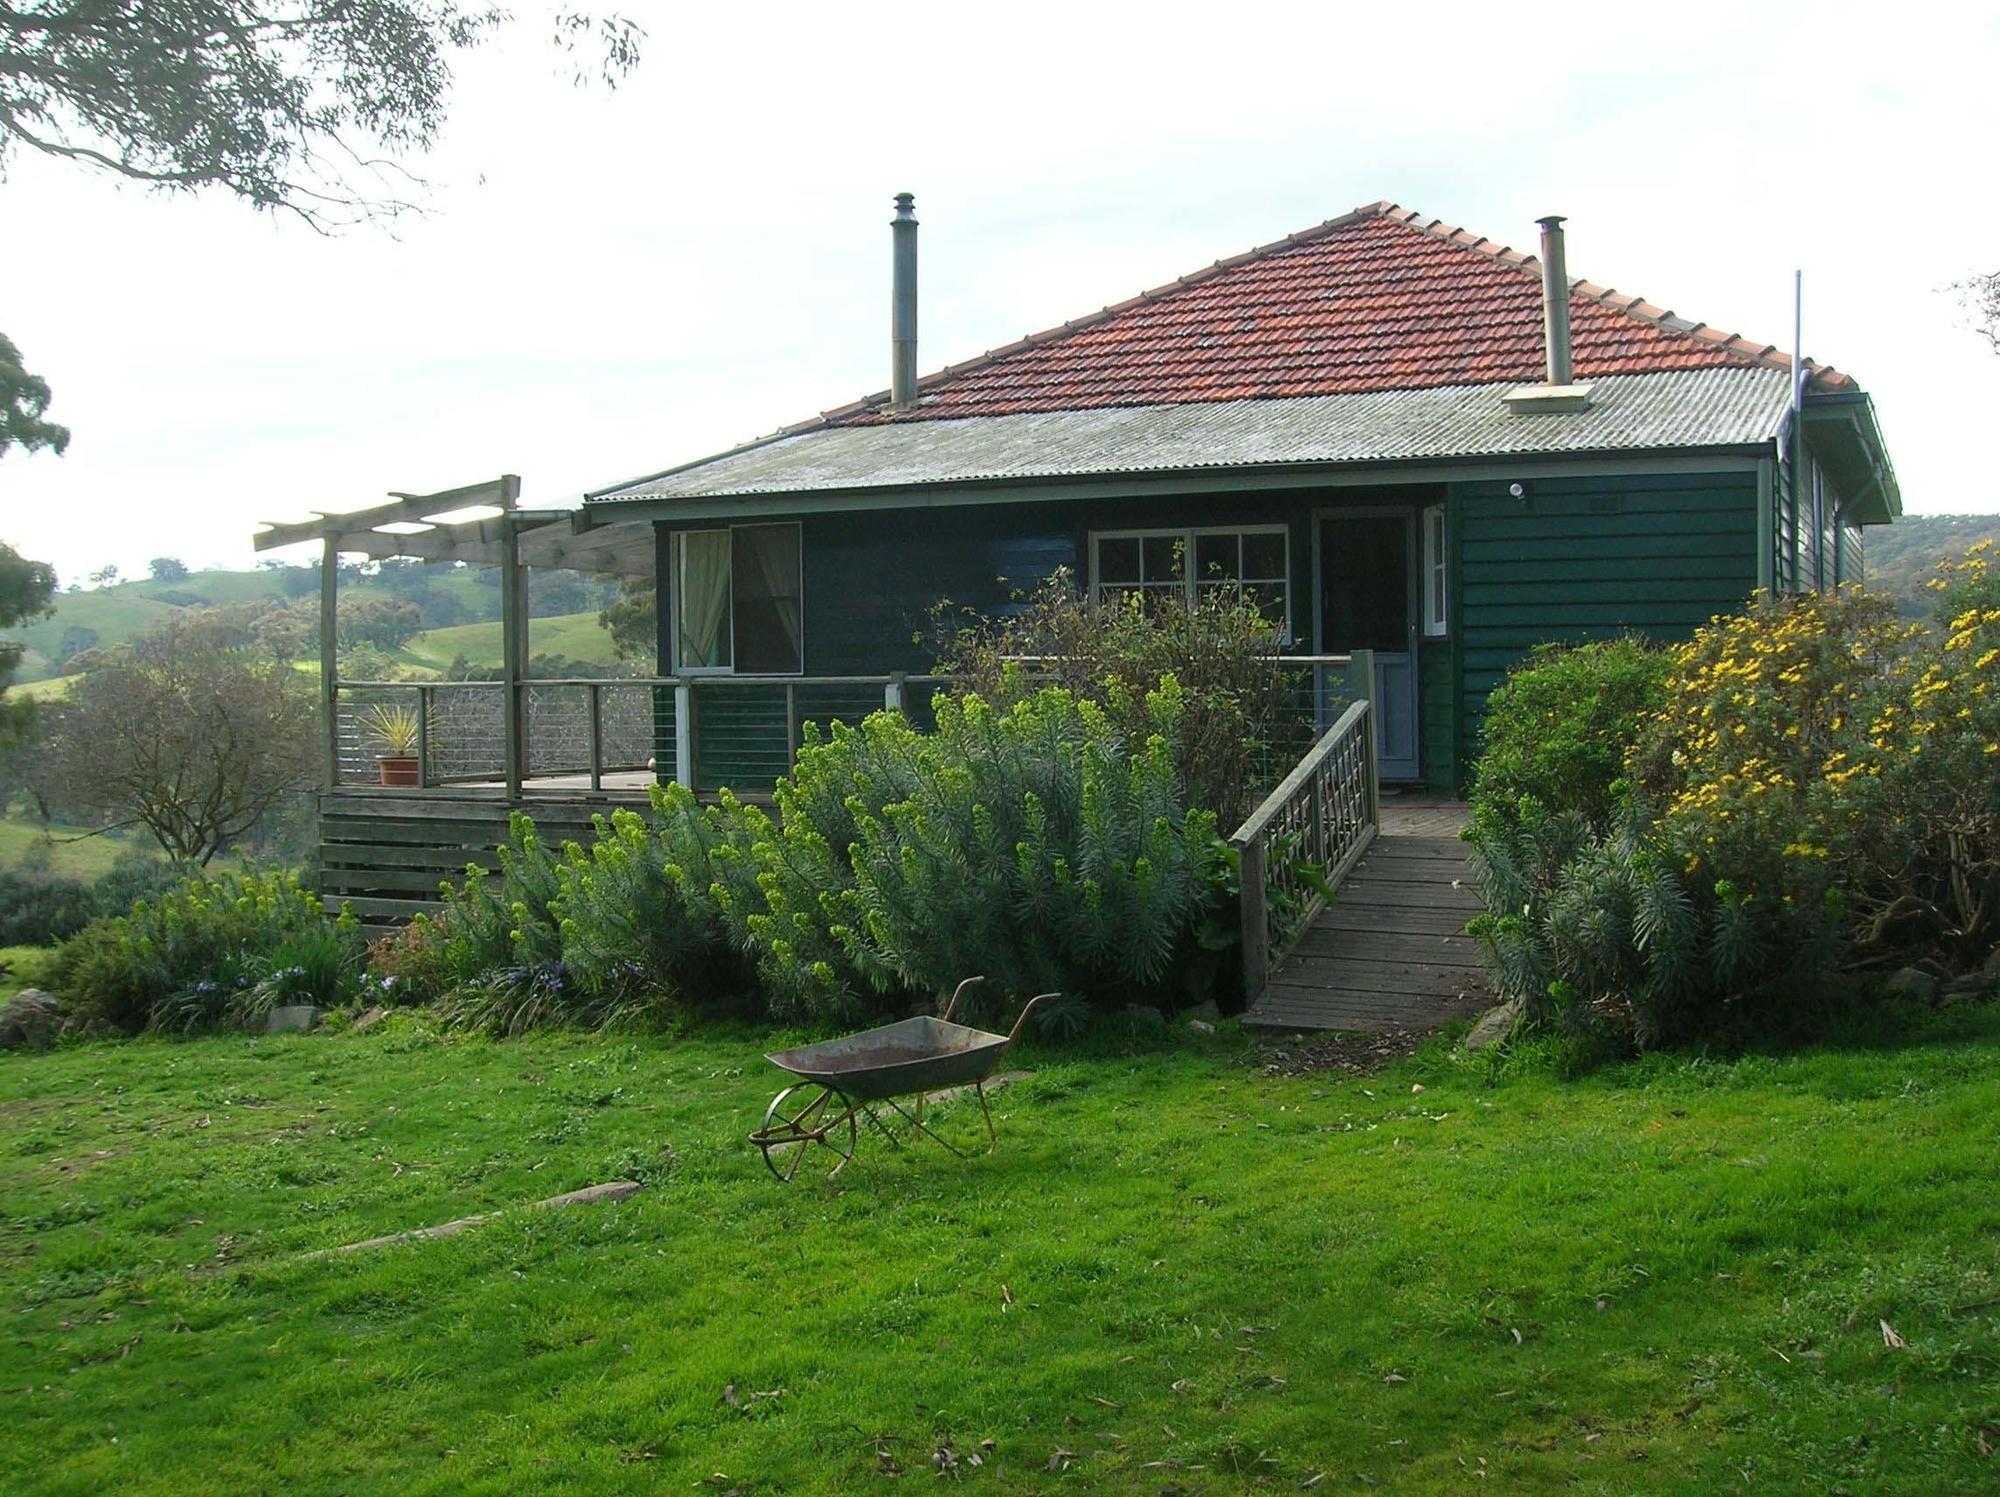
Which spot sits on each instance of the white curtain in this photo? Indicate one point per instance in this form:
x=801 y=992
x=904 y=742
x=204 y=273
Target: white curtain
x=775 y=550
x=705 y=598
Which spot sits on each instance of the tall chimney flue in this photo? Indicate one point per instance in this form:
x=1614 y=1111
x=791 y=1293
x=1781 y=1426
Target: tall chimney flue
x=903 y=306
x=1555 y=300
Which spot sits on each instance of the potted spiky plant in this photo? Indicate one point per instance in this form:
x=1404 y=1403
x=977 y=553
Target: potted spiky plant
x=395 y=732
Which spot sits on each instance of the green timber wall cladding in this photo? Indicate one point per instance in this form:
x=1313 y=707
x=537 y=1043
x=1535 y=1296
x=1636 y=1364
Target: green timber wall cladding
x=1437 y=676
x=1591 y=558
x=872 y=583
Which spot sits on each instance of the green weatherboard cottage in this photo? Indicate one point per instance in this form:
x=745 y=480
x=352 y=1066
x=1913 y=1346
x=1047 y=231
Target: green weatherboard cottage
x=1407 y=440
x=1410 y=439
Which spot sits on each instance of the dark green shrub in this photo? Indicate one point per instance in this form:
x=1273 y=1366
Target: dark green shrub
x=624 y=930
x=1240 y=726
x=1034 y=844
x=39 y=910
x=1559 y=729
x=193 y=954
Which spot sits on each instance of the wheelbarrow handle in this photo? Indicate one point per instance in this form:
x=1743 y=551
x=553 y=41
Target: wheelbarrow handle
x=1026 y=1009
x=952 y=1007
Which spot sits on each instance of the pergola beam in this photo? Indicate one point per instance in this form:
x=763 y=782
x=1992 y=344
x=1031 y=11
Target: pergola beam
x=503 y=493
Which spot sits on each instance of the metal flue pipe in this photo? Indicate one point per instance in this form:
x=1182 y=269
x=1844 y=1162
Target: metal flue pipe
x=1555 y=301
x=903 y=306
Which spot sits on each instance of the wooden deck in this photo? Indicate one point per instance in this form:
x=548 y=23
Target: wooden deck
x=1390 y=951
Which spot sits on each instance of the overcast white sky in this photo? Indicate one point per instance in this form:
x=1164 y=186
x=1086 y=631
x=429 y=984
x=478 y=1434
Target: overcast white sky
x=609 y=284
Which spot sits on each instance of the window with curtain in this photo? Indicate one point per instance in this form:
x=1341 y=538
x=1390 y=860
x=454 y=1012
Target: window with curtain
x=764 y=583
x=741 y=601
x=704 y=592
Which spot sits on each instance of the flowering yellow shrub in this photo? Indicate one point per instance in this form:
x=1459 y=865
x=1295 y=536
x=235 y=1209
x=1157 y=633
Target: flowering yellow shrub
x=1820 y=787
x=1761 y=707
x=1913 y=798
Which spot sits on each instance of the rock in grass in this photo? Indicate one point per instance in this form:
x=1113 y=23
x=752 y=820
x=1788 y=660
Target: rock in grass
x=292 y=1018
x=29 y=1021
x=1494 y=1025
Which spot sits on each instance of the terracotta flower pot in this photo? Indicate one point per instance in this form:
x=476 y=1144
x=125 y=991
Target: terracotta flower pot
x=397 y=769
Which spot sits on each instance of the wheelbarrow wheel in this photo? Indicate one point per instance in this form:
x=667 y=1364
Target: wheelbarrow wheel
x=800 y=1120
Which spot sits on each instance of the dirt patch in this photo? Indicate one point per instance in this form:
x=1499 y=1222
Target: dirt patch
x=1346 y=1054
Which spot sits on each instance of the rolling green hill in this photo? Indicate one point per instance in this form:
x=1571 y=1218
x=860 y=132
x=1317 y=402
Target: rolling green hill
x=575 y=635
x=447 y=598
x=1902 y=557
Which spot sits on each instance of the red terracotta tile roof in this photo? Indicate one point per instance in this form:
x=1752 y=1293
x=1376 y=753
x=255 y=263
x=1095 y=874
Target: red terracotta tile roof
x=1378 y=299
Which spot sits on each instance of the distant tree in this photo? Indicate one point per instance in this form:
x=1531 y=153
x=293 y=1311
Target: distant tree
x=296 y=582
x=385 y=623
x=24 y=403
x=26 y=590
x=183 y=735
x=633 y=620
x=368 y=662
x=104 y=576
x=75 y=640
x=167 y=569
x=551 y=593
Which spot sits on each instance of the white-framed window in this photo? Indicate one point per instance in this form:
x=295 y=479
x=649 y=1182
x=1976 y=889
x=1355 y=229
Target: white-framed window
x=739 y=601
x=1186 y=562
x=1437 y=574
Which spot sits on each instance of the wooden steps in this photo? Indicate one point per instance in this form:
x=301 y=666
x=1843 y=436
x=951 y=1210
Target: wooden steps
x=1390 y=952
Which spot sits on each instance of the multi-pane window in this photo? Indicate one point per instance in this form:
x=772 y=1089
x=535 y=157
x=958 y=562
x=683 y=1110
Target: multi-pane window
x=740 y=600
x=1189 y=563
x=1437 y=574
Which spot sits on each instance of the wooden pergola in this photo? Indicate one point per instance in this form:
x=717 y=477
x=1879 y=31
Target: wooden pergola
x=481 y=524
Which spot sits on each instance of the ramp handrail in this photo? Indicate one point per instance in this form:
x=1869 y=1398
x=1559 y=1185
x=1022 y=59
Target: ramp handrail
x=1303 y=840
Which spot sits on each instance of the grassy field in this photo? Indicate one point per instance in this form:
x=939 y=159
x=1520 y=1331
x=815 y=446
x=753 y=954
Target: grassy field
x=48 y=689
x=1178 y=1272
x=73 y=854
x=576 y=635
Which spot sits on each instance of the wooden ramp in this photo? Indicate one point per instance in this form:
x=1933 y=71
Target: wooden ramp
x=1390 y=952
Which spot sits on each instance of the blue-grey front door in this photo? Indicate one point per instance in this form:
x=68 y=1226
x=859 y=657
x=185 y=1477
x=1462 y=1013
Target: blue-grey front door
x=1367 y=601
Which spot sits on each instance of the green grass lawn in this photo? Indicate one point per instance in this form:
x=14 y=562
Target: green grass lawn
x=1177 y=1273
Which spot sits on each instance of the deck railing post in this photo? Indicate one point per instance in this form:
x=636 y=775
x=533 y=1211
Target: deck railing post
x=596 y=692
x=684 y=733
x=1255 y=918
x=892 y=693
x=1362 y=674
x=791 y=726
x=423 y=738
x=513 y=647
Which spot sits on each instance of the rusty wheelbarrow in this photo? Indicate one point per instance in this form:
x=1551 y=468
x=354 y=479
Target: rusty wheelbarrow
x=842 y=1081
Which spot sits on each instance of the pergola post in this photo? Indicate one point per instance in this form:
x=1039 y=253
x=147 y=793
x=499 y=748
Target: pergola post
x=514 y=653
x=329 y=686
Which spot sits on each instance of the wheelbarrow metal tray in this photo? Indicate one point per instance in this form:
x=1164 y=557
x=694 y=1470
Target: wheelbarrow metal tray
x=913 y=1055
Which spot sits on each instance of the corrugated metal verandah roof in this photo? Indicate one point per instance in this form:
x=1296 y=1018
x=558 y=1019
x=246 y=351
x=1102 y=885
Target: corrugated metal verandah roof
x=1716 y=407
